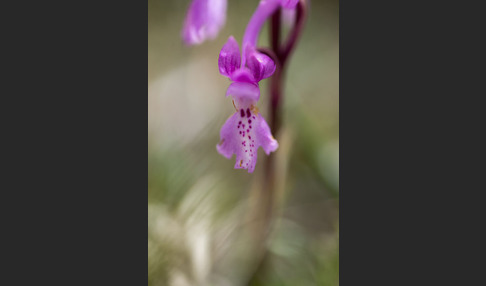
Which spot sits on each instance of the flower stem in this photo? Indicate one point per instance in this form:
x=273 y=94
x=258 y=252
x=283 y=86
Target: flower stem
x=280 y=55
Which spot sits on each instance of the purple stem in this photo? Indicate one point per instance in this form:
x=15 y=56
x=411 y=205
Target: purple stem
x=264 y=10
x=280 y=55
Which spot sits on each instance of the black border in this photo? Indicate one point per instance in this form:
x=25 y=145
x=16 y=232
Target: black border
x=77 y=179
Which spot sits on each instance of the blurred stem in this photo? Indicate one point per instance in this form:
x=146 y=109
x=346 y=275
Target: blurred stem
x=280 y=54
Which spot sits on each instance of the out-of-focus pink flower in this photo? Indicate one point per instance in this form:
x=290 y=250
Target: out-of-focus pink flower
x=288 y=17
x=204 y=20
x=289 y=4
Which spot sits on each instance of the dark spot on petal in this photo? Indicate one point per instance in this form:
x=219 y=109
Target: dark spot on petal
x=242 y=112
x=248 y=114
x=247 y=130
x=249 y=121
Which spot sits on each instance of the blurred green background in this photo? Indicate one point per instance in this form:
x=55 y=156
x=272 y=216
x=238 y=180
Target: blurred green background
x=199 y=207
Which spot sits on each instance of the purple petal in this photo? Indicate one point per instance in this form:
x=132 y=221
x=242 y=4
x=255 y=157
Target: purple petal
x=229 y=57
x=261 y=65
x=225 y=146
x=268 y=143
x=242 y=134
x=289 y=4
x=203 y=21
x=288 y=17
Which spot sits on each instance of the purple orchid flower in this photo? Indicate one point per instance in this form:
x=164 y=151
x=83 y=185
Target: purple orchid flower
x=204 y=20
x=246 y=130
